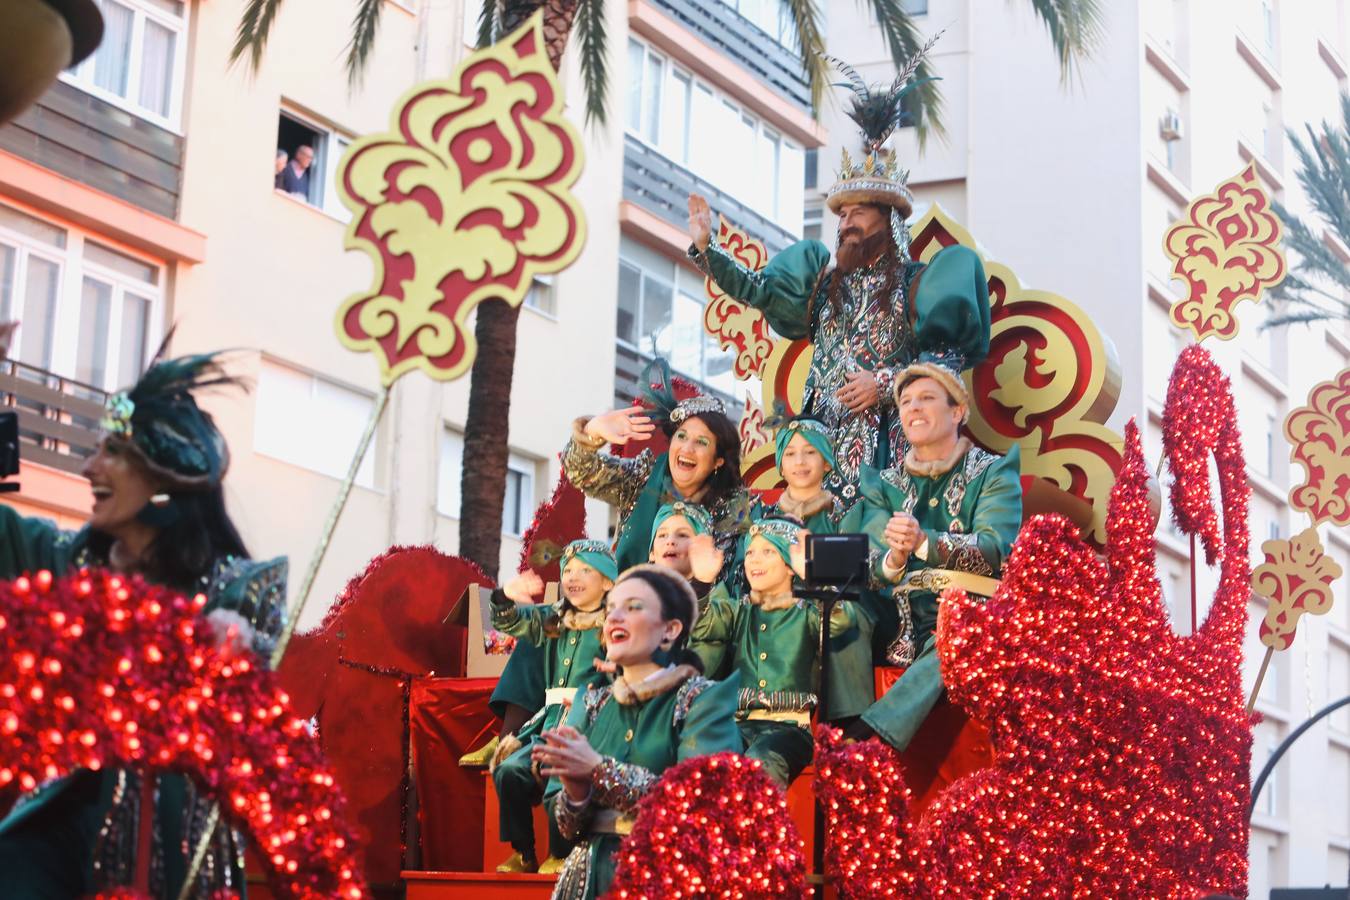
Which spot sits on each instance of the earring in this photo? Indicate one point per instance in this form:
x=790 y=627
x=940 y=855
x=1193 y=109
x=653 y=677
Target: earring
x=160 y=500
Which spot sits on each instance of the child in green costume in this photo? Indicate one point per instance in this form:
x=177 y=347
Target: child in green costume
x=620 y=737
x=774 y=639
x=568 y=638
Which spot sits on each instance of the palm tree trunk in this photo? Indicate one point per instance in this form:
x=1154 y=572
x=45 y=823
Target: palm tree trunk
x=487 y=434
x=487 y=428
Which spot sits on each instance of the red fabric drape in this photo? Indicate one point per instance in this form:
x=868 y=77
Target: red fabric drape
x=449 y=717
x=948 y=745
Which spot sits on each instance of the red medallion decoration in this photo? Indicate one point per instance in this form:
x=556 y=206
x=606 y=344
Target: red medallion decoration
x=751 y=427
x=1320 y=434
x=1122 y=749
x=465 y=199
x=104 y=671
x=1226 y=249
x=738 y=327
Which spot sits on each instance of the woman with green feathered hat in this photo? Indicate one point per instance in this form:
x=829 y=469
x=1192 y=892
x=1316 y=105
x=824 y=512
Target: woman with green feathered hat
x=158 y=512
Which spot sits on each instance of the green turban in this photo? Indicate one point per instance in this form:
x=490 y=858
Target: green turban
x=779 y=532
x=816 y=434
x=595 y=554
x=697 y=517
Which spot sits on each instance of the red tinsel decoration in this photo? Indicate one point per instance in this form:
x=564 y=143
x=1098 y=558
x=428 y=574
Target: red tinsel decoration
x=862 y=788
x=1122 y=750
x=102 y=670
x=557 y=522
x=713 y=826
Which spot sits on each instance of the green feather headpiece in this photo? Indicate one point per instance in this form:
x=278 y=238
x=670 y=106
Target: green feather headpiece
x=159 y=419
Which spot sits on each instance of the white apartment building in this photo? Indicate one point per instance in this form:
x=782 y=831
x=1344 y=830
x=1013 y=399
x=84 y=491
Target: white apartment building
x=1073 y=187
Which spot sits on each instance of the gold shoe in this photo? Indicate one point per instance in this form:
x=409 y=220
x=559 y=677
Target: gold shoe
x=551 y=866
x=477 y=759
x=515 y=864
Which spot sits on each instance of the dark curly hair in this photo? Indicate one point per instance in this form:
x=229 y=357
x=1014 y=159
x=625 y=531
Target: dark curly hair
x=726 y=479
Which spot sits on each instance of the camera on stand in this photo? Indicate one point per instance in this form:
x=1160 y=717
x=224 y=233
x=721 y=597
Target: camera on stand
x=9 y=451
x=836 y=560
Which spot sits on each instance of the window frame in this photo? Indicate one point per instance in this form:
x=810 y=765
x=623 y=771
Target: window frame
x=72 y=269
x=82 y=75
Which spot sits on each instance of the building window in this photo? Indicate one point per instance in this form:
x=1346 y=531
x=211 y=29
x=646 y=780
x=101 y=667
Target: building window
x=673 y=112
x=450 y=473
x=313 y=152
x=139 y=66
x=813 y=224
x=541 y=296
x=86 y=311
x=773 y=17
x=915 y=7
x=518 y=506
x=660 y=313
x=308 y=421
x=1272 y=442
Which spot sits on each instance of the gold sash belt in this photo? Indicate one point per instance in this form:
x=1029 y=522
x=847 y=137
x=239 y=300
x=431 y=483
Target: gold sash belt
x=938 y=580
x=797 y=718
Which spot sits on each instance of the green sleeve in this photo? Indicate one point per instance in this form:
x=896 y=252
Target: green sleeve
x=710 y=724
x=878 y=501
x=781 y=290
x=993 y=526
x=256 y=590
x=842 y=618
x=951 y=304
x=28 y=544
x=716 y=619
x=521 y=620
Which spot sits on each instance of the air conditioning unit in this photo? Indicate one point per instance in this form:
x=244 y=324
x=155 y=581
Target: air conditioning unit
x=1170 y=126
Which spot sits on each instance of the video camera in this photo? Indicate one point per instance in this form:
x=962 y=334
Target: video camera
x=836 y=560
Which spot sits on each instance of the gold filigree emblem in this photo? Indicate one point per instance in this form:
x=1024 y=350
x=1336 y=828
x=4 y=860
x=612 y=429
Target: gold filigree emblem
x=738 y=327
x=1320 y=435
x=1226 y=250
x=1296 y=579
x=466 y=198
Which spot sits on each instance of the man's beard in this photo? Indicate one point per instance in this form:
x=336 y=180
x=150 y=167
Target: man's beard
x=854 y=253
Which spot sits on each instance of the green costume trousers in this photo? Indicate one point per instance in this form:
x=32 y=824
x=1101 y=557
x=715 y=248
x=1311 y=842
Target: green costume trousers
x=48 y=856
x=897 y=716
x=784 y=748
x=517 y=794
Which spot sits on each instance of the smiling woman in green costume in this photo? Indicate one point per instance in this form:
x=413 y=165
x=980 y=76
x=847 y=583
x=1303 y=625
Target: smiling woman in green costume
x=620 y=737
x=158 y=512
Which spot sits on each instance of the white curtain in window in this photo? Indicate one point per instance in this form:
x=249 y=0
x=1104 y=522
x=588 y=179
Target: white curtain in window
x=134 y=343
x=449 y=473
x=651 y=87
x=686 y=352
x=91 y=365
x=9 y=265
x=157 y=52
x=39 y=312
x=791 y=174
x=112 y=63
x=636 y=54
x=675 y=116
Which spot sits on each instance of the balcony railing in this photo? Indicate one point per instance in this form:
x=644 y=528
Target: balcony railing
x=662 y=187
x=742 y=41
x=58 y=418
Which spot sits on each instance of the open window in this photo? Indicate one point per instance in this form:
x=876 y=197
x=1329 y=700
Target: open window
x=309 y=170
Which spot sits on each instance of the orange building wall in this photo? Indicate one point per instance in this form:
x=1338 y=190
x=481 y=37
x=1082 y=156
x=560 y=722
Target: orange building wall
x=51 y=494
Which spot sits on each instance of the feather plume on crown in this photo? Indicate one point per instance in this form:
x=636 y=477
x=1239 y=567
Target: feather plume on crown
x=877 y=110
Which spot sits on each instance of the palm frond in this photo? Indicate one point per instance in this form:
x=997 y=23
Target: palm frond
x=590 y=31
x=1075 y=28
x=489 y=18
x=806 y=23
x=904 y=42
x=364 y=27
x=255 y=24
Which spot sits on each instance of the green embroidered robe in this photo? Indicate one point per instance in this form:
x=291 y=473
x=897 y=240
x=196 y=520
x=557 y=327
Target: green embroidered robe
x=872 y=330
x=970 y=516
x=641 y=732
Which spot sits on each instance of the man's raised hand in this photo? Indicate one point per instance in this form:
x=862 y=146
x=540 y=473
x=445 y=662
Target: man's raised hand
x=700 y=221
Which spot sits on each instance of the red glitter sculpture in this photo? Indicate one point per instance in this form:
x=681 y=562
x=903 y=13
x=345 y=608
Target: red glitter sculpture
x=713 y=826
x=1122 y=749
x=101 y=670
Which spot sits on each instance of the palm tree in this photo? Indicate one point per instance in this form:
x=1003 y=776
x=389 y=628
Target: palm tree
x=1074 y=26
x=1324 y=173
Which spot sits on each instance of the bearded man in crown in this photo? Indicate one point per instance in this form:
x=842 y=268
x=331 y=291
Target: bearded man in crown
x=861 y=313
